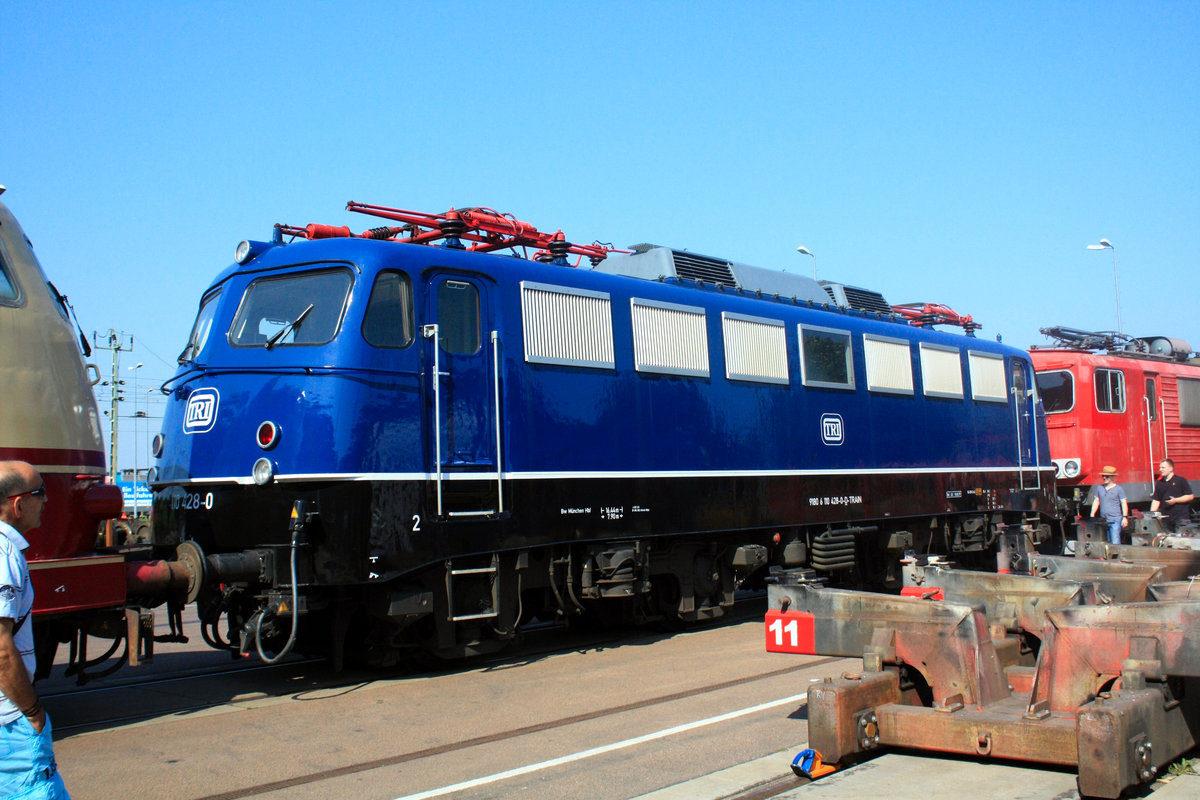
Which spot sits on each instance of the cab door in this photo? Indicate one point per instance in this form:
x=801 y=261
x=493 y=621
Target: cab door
x=1152 y=412
x=1025 y=423
x=462 y=358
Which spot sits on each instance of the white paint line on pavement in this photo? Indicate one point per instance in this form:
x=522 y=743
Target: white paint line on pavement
x=596 y=751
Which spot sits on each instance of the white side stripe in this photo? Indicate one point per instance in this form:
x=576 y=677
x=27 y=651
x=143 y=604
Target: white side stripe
x=608 y=748
x=541 y=476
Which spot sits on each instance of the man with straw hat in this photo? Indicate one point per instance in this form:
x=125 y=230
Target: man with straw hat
x=1112 y=504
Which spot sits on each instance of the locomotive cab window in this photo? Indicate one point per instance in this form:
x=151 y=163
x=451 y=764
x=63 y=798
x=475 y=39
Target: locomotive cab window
x=458 y=318
x=1189 y=402
x=297 y=309
x=201 y=328
x=1057 y=390
x=1110 y=390
x=826 y=358
x=389 y=318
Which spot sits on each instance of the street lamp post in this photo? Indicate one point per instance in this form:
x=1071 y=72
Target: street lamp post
x=804 y=251
x=1105 y=244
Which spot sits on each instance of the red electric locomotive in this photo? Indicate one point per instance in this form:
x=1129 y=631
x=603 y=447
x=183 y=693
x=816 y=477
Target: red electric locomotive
x=1115 y=400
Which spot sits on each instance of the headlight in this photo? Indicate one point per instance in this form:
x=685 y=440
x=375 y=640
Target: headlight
x=156 y=445
x=1071 y=468
x=263 y=471
x=248 y=250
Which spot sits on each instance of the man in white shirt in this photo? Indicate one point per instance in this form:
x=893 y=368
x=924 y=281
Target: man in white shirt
x=27 y=766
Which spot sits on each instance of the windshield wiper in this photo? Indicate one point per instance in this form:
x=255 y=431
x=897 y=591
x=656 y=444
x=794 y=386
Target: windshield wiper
x=291 y=326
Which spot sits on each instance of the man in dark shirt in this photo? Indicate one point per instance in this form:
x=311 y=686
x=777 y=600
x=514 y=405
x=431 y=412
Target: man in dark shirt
x=1174 y=492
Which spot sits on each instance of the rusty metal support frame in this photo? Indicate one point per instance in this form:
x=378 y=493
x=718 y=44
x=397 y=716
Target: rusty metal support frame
x=1114 y=693
x=1116 y=581
x=1017 y=603
x=1176 y=564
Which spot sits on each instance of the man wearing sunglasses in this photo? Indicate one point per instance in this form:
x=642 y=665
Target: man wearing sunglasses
x=27 y=766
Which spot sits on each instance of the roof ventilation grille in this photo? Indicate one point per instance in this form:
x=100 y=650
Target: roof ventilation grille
x=703 y=268
x=857 y=298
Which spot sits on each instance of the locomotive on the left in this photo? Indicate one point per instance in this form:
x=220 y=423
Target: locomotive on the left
x=49 y=419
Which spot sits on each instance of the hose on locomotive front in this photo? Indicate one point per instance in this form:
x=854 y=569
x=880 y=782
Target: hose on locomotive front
x=297 y=525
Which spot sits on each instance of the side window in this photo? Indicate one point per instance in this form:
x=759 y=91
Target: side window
x=826 y=359
x=1152 y=398
x=8 y=289
x=1189 y=402
x=389 y=318
x=201 y=328
x=1057 y=390
x=458 y=318
x=1110 y=390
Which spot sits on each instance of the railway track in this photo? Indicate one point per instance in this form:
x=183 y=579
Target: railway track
x=221 y=682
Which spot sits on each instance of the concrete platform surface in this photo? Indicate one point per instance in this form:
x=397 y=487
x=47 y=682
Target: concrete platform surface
x=907 y=777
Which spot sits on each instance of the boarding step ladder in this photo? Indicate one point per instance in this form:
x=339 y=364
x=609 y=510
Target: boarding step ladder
x=468 y=580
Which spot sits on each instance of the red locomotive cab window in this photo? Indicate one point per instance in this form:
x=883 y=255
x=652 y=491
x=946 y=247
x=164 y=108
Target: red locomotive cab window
x=1152 y=398
x=1057 y=390
x=1110 y=390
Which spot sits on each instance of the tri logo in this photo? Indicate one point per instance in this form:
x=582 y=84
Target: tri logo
x=832 y=430
x=201 y=413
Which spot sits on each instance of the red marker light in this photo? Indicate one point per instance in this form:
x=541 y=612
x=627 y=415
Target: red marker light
x=268 y=435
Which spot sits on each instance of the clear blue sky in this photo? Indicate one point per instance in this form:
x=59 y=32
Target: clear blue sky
x=963 y=153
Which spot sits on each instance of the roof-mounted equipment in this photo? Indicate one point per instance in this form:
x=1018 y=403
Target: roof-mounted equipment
x=929 y=314
x=486 y=231
x=1092 y=340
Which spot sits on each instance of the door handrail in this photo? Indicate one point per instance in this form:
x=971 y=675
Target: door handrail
x=496 y=416
x=431 y=332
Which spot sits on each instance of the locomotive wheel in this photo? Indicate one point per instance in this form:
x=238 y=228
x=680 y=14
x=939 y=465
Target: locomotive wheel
x=141 y=532
x=121 y=532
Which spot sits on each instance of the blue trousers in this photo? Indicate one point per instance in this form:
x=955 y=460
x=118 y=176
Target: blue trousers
x=1114 y=530
x=27 y=767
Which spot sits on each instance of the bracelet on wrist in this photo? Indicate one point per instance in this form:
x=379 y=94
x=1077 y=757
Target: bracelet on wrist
x=34 y=709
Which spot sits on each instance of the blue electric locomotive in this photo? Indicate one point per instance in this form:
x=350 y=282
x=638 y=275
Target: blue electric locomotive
x=403 y=439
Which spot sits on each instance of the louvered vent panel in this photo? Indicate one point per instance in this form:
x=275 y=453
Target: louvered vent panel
x=755 y=350
x=941 y=371
x=889 y=365
x=564 y=326
x=669 y=339
x=987 y=377
x=863 y=300
x=700 y=268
